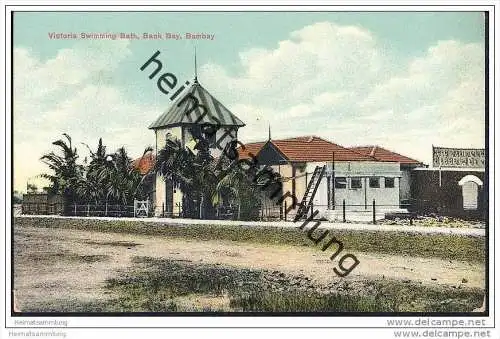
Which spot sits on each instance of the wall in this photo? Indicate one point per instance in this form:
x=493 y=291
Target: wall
x=161 y=136
x=430 y=197
x=42 y=203
x=366 y=194
x=405 y=182
x=382 y=195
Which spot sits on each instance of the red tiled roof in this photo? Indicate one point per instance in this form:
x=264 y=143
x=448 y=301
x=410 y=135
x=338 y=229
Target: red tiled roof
x=382 y=154
x=313 y=148
x=144 y=163
x=307 y=148
x=250 y=148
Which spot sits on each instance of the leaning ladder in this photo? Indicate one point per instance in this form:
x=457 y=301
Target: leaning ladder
x=307 y=200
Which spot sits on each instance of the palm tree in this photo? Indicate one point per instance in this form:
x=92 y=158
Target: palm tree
x=67 y=172
x=235 y=187
x=120 y=179
x=93 y=184
x=191 y=173
x=176 y=163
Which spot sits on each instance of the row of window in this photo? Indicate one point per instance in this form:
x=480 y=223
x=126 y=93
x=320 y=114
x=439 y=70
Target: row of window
x=356 y=182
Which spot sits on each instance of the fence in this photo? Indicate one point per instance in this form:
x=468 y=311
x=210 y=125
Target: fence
x=92 y=210
x=139 y=209
x=372 y=212
x=229 y=212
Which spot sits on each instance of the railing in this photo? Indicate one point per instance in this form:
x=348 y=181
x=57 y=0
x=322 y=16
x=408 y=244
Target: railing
x=364 y=212
x=230 y=212
x=141 y=208
x=96 y=210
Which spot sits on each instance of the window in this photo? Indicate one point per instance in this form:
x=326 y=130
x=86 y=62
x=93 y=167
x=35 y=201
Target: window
x=209 y=133
x=210 y=137
x=389 y=182
x=374 y=182
x=340 y=182
x=356 y=183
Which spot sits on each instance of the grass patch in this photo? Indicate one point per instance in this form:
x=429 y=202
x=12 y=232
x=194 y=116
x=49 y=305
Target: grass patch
x=160 y=285
x=157 y=285
x=452 y=247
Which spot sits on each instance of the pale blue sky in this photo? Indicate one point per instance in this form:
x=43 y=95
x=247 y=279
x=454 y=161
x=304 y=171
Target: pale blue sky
x=403 y=34
x=397 y=47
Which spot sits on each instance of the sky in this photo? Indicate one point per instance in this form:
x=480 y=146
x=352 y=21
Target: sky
x=402 y=80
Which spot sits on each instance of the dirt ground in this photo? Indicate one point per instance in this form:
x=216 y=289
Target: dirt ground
x=59 y=263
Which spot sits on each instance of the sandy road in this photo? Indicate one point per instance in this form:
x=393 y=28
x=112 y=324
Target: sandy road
x=41 y=271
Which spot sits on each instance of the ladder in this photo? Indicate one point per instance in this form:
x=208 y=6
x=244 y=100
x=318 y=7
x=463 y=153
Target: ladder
x=312 y=187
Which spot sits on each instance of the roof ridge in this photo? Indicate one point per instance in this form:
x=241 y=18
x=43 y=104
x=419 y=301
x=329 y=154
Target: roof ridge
x=388 y=150
x=322 y=139
x=401 y=155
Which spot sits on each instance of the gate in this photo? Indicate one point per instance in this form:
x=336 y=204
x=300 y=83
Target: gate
x=141 y=208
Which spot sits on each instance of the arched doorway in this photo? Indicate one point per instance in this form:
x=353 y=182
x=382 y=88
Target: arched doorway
x=470 y=188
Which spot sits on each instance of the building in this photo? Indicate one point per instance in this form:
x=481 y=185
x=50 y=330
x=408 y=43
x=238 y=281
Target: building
x=184 y=120
x=352 y=175
x=406 y=166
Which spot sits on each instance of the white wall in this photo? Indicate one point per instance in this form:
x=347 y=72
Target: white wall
x=382 y=195
x=366 y=194
x=161 y=136
x=404 y=185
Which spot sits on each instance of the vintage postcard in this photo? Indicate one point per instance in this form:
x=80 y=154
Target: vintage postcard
x=265 y=162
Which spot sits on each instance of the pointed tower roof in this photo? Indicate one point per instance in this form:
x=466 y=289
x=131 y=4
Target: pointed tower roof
x=176 y=115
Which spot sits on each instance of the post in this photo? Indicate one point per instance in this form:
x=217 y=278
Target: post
x=411 y=218
x=333 y=180
x=88 y=210
x=373 y=212
x=365 y=184
x=75 y=209
x=285 y=211
x=106 y=212
x=343 y=210
x=312 y=208
x=163 y=209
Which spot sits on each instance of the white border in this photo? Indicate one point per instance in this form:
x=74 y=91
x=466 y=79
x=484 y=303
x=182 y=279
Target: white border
x=353 y=322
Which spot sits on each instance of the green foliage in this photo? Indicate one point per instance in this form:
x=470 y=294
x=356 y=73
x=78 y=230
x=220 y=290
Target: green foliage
x=163 y=285
x=237 y=189
x=452 y=247
x=108 y=178
x=66 y=171
x=203 y=178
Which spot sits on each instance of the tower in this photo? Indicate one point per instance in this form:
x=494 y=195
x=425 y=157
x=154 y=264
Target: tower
x=183 y=121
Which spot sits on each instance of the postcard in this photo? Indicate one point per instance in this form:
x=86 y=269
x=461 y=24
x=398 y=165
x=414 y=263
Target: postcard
x=251 y=163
